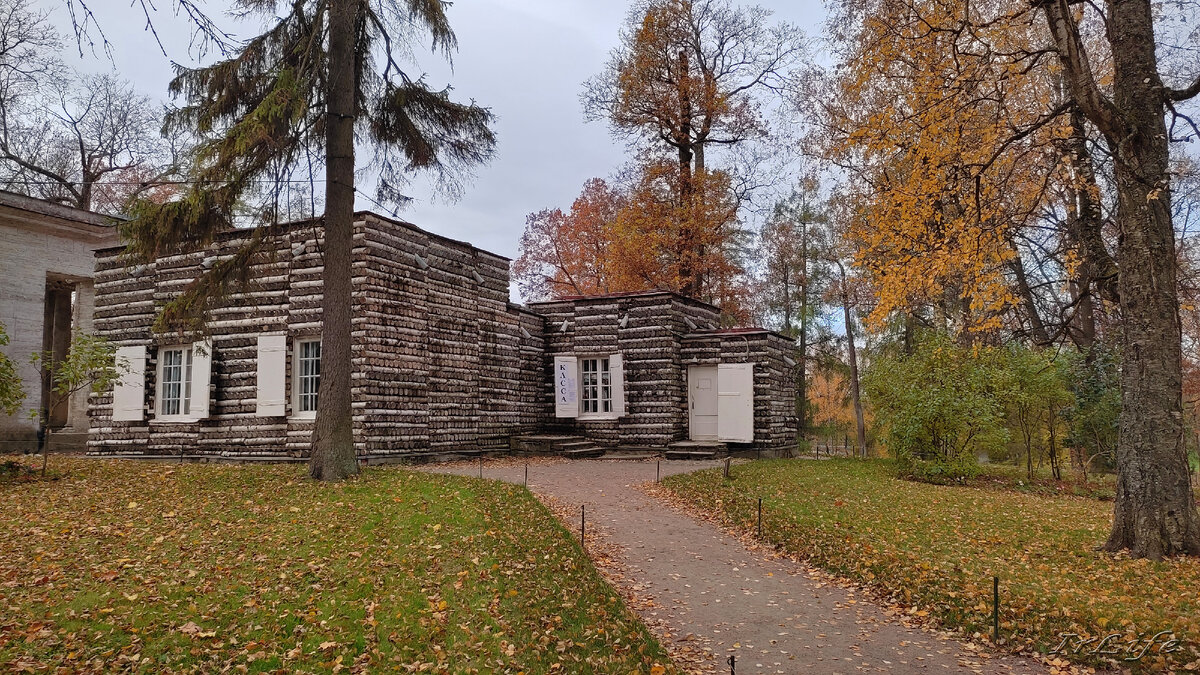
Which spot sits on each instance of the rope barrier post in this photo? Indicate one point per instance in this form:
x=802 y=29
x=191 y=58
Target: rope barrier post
x=996 y=610
x=582 y=525
x=760 y=517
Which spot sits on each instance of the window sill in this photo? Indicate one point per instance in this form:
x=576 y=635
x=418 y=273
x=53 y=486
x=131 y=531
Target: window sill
x=599 y=417
x=173 y=420
x=302 y=417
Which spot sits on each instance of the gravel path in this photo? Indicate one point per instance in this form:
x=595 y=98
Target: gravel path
x=708 y=596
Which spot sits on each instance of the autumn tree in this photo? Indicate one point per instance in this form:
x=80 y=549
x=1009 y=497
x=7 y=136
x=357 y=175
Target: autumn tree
x=686 y=78
x=793 y=249
x=1155 y=511
x=845 y=295
x=628 y=237
x=573 y=253
x=322 y=73
x=963 y=129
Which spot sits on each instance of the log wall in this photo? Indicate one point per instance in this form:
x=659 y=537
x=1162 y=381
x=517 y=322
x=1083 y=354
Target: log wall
x=662 y=335
x=775 y=419
x=441 y=360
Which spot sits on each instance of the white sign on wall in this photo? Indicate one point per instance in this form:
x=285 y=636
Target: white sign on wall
x=566 y=386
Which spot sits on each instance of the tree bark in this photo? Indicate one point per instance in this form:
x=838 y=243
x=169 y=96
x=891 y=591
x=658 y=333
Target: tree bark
x=802 y=371
x=333 y=454
x=1154 y=514
x=1037 y=327
x=860 y=427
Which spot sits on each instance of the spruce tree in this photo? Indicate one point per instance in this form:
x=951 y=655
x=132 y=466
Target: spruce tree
x=325 y=74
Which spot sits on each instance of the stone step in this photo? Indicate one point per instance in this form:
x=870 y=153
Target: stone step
x=696 y=450
x=690 y=454
x=584 y=453
x=632 y=453
x=542 y=444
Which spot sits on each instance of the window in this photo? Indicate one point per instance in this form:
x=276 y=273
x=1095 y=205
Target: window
x=174 y=381
x=596 y=386
x=308 y=376
x=590 y=387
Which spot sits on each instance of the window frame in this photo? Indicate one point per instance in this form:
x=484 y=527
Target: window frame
x=184 y=396
x=602 y=386
x=299 y=377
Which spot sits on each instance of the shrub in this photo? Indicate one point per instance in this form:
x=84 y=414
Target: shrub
x=938 y=408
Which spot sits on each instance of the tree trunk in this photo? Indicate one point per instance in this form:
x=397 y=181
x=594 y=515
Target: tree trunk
x=1155 y=511
x=1037 y=327
x=860 y=427
x=1055 y=467
x=689 y=265
x=1154 y=514
x=802 y=371
x=333 y=455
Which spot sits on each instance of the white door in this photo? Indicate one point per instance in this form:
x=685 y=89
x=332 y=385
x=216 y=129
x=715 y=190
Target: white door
x=735 y=402
x=702 y=403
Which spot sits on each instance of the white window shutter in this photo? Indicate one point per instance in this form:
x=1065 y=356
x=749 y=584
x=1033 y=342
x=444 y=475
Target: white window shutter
x=272 y=376
x=201 y=378
x=616 y=375
x=129 y=392
x=566 y=386
x=735 y=402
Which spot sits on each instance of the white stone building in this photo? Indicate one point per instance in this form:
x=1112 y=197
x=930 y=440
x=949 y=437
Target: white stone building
x=46 y=269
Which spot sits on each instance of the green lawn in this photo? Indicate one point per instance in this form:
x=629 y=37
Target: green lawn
x=935 y=549
x=151 y=567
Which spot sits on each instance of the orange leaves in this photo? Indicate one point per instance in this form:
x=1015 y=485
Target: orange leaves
x=571 y=253
x=642 y=238
x=948 y=152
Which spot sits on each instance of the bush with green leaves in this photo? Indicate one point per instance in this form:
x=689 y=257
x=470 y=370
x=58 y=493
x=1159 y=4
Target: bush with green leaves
x=11 y=391
x=1094 y=416
x=938 y=407
x=1031 y=386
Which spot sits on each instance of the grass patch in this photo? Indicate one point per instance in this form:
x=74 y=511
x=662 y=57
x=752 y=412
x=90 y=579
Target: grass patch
x=1016 y=478
x=153 y=567
x=935 y=549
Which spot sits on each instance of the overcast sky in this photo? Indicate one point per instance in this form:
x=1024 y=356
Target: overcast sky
x=525 y=59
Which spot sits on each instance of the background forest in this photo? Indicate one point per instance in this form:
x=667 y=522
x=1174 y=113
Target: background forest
x=916 y=193
x=977 y=220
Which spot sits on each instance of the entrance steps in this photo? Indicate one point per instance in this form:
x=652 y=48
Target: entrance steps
x=574 y=447
x=696 y=450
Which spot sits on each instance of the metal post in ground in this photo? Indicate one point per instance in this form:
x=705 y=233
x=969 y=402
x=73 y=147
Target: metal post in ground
x=481 y=466
x=582 y=525
x=996 y=610
x=526 y=474
x=658 y=472
x=760 y=517
x=732 y=664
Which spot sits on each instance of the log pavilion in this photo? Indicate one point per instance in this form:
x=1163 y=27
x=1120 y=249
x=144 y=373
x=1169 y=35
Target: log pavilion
x=444 y=364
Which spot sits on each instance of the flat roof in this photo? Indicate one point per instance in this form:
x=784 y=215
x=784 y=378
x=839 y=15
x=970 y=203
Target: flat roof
x=616 y=295
x=358 y=215
x=49 y=208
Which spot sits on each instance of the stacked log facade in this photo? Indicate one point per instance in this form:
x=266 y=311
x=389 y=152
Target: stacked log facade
x=438 y=352
x=658 y=335
x=442 y=361
x=775 y=422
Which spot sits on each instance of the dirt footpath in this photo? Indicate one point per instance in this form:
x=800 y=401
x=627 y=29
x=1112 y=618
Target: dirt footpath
x=709 y=597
